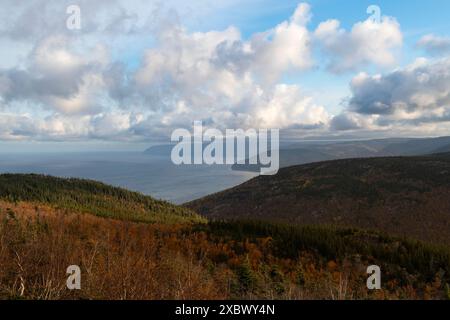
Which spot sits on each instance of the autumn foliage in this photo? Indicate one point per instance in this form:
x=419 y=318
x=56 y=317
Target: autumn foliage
x=220 y=260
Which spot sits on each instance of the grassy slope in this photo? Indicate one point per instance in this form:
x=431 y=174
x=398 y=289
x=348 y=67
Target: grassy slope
x=402 y=196
x=91 y=197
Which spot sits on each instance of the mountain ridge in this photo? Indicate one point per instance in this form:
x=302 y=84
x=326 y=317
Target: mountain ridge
x=91 y=197
x=304 y=153
x=405 y=196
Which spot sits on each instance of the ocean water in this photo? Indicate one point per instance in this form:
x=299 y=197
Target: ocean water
x=148 y=174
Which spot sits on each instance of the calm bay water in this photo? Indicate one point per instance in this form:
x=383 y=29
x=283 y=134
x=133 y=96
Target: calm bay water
x=151 y=175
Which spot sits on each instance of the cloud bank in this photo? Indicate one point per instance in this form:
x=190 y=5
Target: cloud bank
x=414 y=98
x=135 y=72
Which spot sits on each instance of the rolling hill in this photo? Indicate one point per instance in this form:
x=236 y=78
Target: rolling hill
x=130 y=246
x=308 y=152
x=91 y=197
x=403 y=196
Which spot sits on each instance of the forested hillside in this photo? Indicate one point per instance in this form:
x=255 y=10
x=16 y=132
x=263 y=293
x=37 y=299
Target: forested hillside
x=404 y=196
x=129 y=246
x=91 y=197
x=218 y=260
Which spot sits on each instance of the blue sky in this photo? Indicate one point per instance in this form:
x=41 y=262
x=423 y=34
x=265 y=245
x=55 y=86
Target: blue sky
x=417 y=18
x=136 y=70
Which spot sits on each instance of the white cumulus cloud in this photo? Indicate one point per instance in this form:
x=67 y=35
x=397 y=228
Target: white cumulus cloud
x=368 y=42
